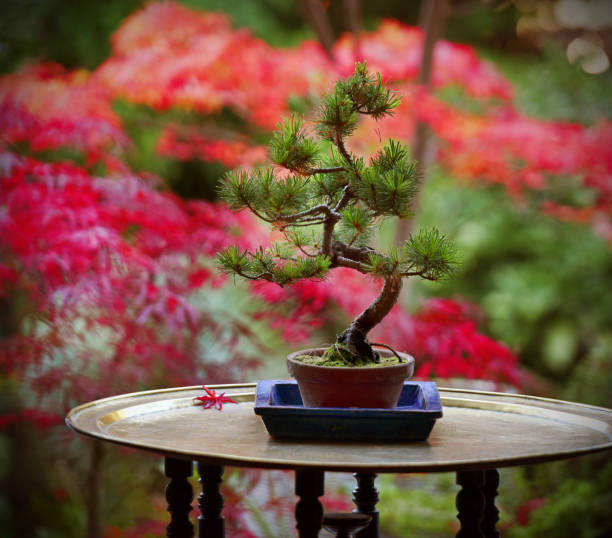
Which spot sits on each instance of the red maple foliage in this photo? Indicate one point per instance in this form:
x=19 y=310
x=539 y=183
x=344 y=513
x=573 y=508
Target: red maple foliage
x=48 y=107
x=108 y=265
x=212 y=400
x=395 y=50
x=158 y=59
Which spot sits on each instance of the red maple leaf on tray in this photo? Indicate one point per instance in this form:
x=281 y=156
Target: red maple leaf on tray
x=210 y=399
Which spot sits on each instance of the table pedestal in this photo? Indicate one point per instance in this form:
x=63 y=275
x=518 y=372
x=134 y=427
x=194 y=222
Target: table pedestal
x=179 y=495
x=210 y=522
x=365 y=497
x=475 y=502
x=309 y=486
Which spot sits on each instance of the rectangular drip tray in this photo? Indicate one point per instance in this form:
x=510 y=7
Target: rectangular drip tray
x=279 y=404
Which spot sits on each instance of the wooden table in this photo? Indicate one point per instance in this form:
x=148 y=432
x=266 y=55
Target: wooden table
x=479 y=433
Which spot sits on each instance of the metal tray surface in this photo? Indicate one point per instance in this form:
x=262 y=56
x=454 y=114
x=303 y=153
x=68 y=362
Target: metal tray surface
x=281 y=408
x=479 y=430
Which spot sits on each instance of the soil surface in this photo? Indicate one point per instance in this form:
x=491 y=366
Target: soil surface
x=333 y=357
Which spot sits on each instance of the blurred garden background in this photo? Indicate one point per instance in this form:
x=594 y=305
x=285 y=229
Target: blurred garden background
x=117 y=120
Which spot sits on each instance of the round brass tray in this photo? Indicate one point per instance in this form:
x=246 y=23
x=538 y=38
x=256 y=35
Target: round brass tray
x=478 y=430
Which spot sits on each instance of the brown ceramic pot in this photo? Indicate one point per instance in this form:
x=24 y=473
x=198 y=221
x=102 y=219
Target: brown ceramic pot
x=336 y=386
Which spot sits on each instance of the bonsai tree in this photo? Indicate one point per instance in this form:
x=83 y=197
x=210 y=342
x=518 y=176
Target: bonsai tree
x=327 y=205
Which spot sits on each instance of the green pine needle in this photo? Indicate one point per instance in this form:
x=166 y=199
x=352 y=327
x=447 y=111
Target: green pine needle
x=337 y=116
x=392 y=155
x=430 y=253
x=291 y=148
x=387 y=191
x=287 y=196
x=232 y=260
x=276 y=264
x=238 y=190
x=356 y=225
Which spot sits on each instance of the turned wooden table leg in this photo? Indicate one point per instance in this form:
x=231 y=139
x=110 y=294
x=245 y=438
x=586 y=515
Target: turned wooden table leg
x=211 y=523
x=179 y=495
x=470 y=503
x=491 y=513
x=309 y=486
x=365 y=497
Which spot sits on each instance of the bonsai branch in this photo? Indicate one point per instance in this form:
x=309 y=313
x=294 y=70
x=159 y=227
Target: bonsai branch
x=328 y=232
x=321 y=208
x=422 y=274
x=346 y=196
x=306 y=253
x=340 y=261
x=257 y=214
x=306 y=222
x=266 y=275
x=342 y=148
x=359 y=254
x=333 y=170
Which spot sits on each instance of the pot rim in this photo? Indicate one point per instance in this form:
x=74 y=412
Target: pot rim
x=408 y=360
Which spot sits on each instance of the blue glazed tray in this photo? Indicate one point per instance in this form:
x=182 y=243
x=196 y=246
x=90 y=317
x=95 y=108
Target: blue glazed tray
x=279 y=404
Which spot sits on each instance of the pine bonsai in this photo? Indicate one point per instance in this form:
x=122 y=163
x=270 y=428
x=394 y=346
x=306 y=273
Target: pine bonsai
x=328 y=205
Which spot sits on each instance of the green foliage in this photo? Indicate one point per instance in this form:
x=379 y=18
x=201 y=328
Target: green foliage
x=233 y=260
x=291 y=148
x=385 y=265
x=576 y=507
x=288 y=195
x=273 y=265
x=268 y=197
x=343 y=191
x=391 y=156
x=549 y=87
x=329 y=186
x=76 y=34
x=387 y=192
x=356 y=226
x=389 y=184
x=367 y=93
x=238 y=329
x=301 y=239
x=359 y=94
x=418 y=505
x=430 y=253
x=337 y=117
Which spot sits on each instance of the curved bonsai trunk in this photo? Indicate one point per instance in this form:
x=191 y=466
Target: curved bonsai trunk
x=354 y=338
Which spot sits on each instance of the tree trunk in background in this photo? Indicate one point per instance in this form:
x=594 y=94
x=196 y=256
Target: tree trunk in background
x=432 y=19
x=353 y=17
x=316 y=15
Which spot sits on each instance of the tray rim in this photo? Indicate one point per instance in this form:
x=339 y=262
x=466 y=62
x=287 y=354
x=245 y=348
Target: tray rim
x=462 y=398
x=344 y=412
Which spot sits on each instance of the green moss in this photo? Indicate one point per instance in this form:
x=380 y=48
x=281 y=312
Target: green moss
x=337 y=355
